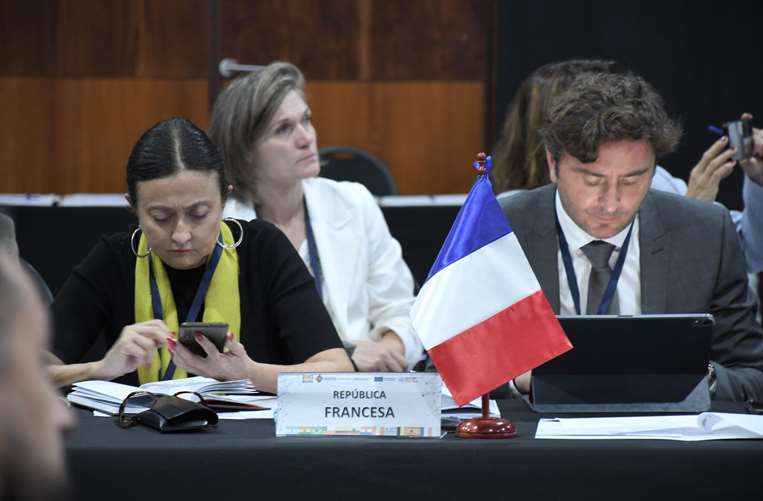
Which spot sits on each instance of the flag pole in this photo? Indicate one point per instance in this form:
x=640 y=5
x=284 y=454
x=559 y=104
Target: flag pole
x=485 y=426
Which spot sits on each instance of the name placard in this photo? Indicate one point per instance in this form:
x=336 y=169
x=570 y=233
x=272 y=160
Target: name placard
x=354 y=403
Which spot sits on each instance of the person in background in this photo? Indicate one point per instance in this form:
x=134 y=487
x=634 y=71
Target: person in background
x=602 y=137
x=31 y=451
x=264 y=126
x=185 y=263
x=9 y=247
x=520 y=159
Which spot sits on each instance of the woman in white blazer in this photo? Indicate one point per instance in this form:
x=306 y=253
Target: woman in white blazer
x=263 y=126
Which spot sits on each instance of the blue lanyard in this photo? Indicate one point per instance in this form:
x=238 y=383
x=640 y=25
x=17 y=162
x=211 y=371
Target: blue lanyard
x=572 y=280
x=312 y=251
x=193 y=312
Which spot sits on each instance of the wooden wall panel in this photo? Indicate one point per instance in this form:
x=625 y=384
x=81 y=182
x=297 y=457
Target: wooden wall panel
x=322 y=38
x=404 y=79
x=97 y=73
x=104 y=38
x=430 y=39
x=26 y=37
x=174 y=39
x=426 y=132
x=111 y=115
x=431 y=132
x=135 y=38
x=342 y=113
x=79 y=140
x=396 y=39
x=95 y=38
x=28 y=132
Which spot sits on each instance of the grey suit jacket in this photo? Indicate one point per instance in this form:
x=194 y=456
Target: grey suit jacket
x=691 y=262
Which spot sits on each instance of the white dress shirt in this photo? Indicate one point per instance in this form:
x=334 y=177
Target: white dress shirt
x=628 y=286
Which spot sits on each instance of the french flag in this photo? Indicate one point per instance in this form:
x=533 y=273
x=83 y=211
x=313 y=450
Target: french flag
x=481 y=313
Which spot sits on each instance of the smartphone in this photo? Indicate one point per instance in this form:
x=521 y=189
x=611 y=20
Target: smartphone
x=214 y=331
x=740 y=138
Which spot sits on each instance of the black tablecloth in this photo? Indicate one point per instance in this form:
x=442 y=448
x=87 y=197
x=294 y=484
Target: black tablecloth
x=244 y=460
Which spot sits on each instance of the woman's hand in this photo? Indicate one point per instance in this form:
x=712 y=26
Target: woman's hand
x=135 y=348
x=386 y=355
x=712 y=168
x=234 y=363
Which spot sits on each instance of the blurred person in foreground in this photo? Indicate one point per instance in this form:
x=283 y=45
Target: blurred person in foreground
x=9 y=246
x=264 y=126
x=602 y=137
x=520 y=157
x=185 y=263
x=31 y=451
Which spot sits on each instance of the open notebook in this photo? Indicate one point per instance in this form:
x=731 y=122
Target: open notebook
x=106 y=396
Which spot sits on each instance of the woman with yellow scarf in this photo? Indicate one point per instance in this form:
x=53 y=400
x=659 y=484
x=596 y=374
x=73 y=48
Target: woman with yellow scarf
x=184 y=263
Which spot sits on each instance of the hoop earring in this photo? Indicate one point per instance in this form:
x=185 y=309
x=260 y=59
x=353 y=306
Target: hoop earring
x=235 y=244
x=132 y=245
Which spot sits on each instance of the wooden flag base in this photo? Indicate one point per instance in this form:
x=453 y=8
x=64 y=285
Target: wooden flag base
x=486 y=426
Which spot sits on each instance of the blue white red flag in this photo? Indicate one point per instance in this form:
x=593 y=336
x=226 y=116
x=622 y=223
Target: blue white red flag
x=481 y=313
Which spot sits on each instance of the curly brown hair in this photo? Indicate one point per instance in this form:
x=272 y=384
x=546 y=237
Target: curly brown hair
x=603 y=107
x=519 y=157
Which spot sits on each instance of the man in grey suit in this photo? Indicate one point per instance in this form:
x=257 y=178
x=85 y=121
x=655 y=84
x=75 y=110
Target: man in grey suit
x=600 y=241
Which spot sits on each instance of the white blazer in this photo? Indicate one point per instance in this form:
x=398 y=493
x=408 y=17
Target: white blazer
x=368 y=287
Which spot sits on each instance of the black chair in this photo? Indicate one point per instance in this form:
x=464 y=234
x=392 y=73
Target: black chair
x=347 y=163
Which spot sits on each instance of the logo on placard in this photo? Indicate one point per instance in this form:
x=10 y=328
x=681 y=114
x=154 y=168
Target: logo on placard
x=378 y=379
x=307 y=378
x=319 y=378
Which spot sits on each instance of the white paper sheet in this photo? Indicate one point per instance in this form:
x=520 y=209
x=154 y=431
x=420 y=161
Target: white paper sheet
x=466 y=411
x=693 y=427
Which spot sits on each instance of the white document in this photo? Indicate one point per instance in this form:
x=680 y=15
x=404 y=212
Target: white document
x=200 y=385
x=353 y=403
x=106 y=396
x=466 y=411
x=693 y=427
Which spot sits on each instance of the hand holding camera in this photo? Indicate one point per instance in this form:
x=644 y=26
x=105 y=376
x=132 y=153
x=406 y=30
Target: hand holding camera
x=753 y=164
x=739 y=133
x=714 y=166
x=740 y=143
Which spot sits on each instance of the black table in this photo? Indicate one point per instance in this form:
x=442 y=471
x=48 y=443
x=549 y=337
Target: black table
x=243 y=460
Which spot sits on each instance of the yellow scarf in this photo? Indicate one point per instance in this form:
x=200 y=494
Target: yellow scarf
x=221 y=304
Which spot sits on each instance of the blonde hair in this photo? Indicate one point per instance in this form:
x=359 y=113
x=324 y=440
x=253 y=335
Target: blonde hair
x=241 y=114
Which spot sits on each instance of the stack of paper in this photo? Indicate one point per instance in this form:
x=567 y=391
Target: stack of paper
x=202 y=386
x=107 y=396
x=104 y=396
x=695 y=427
